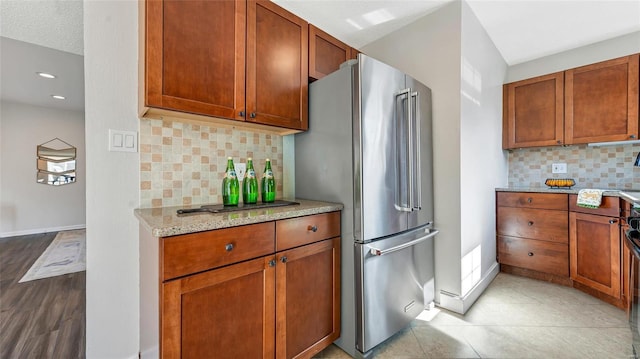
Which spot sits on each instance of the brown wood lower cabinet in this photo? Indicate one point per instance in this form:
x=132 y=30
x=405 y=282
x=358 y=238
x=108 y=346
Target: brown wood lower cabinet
x=222 y=313
x=542 y=256
x=307 y=299
x=229 y=293
x=595 y=252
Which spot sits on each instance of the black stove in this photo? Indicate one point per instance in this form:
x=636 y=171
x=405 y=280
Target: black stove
x=633 y=243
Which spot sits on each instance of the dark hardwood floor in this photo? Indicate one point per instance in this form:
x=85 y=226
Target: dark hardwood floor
x=43 y=318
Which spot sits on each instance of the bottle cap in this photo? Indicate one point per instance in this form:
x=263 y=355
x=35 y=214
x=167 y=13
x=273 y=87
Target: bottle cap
x=268 y=160
x=249 y=158
x=229 y=158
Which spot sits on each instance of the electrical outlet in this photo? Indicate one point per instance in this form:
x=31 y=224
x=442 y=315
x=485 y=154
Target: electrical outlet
x=241 y=168
x=559 y=168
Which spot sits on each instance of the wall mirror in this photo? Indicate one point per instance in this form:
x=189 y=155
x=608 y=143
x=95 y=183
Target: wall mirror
x=56 y=163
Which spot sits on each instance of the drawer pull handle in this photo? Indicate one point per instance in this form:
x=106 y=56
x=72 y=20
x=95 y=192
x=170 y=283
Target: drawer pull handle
x=272 y=263
x=530 y=254
x=530 y=223
x=529 y=199
x=612 y=221
x=228 y=247
x=312 y=228
x=283 y=259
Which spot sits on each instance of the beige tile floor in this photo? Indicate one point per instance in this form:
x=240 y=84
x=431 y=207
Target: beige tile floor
x=515 y=317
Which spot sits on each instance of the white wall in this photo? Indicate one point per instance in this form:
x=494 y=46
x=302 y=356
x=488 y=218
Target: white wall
x=440 y=49
x=111 y=83
x=429 y=50
x=27 y=206
x=585 y=55
x=483 y=163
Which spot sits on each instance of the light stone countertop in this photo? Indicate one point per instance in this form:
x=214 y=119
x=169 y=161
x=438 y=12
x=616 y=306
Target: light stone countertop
x=630 y=195
x=164 y=222
x=572 y=190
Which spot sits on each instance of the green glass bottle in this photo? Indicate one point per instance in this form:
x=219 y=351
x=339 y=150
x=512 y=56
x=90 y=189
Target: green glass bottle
x=230 y=185
x=268 y=184
x=250 y=184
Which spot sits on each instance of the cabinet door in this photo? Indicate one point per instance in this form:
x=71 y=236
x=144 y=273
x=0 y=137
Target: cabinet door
x=222 y=313
x=277 y=66
x=195 y=56
x=534 y=112
x=594 y=244
x=308 y=299
x=326 y=53
x=601 y=101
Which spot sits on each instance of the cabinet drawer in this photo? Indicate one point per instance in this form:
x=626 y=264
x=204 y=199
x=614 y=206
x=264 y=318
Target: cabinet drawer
x=299 y=231
x=610 y=206
x=533 y=200
x=197 y=252
x=541 y=256
x=530 y=223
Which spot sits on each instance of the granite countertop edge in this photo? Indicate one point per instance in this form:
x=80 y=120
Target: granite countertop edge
x=165 y=222
x=607 y=192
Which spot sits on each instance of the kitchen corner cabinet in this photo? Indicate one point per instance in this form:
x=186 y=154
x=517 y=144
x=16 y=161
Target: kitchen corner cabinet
x=326 y=53
x=601 y=101
x=257 y=291
x=595 y=243
x=534 y=112
x=243 y=60
x=532 y=234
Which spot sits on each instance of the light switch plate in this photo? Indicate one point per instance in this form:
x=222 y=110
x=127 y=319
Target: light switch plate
x=241 y=168
x=559 y=168
x=123 y=141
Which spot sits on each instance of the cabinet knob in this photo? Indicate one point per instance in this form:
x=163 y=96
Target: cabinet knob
x=612 y=221
x=632 y=136
x=241 y=114
x=283 y=259
x=228 y=247
x=559 y=142
x=272 y=263
x=312 y=228
x=530 y=223
x=530 y=254
x=252 y=115
x=529 y=199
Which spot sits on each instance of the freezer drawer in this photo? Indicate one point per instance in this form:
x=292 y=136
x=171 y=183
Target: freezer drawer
x=395 y=281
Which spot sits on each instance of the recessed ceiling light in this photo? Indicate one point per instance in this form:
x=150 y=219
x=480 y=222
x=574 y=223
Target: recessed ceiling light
x=58 y=97
x=46 y=75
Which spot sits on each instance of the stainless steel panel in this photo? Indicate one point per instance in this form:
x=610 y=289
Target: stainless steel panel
x=374 y=126
x=423 y=143
x=394 y=287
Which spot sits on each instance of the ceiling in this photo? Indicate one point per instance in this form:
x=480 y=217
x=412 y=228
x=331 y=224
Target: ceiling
x=50 y=34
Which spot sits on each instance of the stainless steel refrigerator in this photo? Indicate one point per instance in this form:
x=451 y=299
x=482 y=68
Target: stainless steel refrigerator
x=369 y=146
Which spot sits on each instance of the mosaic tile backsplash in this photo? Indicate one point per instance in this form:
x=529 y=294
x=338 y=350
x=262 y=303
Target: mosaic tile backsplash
x=591 y=167
x=184 y=163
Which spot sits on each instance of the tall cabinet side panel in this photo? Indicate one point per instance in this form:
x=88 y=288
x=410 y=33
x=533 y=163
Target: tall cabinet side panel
x=324 y=171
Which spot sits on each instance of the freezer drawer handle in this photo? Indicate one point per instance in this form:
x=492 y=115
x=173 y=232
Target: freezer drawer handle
x=381 y=252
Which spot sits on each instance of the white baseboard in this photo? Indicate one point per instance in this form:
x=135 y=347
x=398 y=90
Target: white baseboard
x=460 y=304
x=41 y=230
x=150 y=353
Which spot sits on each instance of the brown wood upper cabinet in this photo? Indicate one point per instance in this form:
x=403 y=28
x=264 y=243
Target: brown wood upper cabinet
x=601 y=101
x=326 y=53
x=534 y=112
x=593 y=103
x=243 y=60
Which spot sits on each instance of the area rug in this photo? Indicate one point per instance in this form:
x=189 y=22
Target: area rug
x=65 y=254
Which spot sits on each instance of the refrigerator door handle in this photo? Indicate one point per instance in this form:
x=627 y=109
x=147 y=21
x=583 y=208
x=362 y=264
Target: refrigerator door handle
x=380 y=252
x=406 y=125
x=417 y=163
